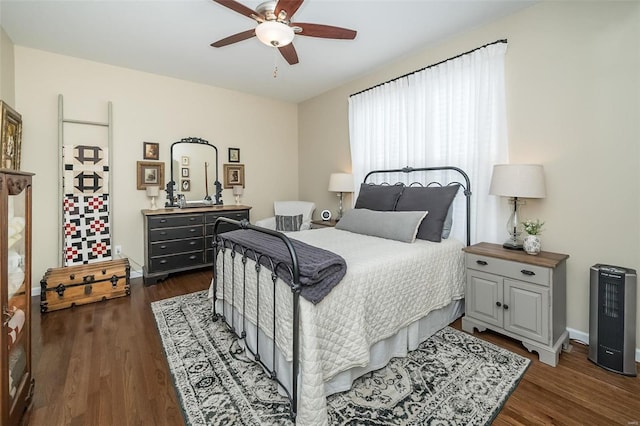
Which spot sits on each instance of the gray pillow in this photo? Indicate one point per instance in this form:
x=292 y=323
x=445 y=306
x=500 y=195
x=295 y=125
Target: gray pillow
x=448 y=223
x=288 y=223
x=378 y=197
x=434 y=199
x=399 y=226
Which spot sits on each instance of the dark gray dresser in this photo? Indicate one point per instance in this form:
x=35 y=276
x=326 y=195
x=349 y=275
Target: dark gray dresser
x=178 y=240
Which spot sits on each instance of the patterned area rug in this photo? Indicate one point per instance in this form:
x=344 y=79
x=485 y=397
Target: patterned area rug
x=452 y=378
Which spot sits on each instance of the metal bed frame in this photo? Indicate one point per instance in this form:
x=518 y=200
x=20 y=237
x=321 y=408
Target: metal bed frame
x=292 y=278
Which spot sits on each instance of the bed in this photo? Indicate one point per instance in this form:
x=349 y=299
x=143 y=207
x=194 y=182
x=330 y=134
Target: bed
x=395 y=292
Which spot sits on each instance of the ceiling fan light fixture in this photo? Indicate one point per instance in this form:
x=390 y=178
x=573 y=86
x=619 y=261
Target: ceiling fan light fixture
x=274 y=34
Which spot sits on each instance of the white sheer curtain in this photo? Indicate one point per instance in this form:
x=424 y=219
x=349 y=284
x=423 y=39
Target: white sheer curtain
x=451 y=114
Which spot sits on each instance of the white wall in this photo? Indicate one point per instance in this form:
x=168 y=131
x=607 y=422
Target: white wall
x=7 y=92
x=146 y=107
x=573 y=105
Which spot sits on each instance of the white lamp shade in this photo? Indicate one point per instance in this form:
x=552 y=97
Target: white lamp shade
x=274 y=34
x=153 y=191
x=518 y=180
x=341 y=182
x=238 y=190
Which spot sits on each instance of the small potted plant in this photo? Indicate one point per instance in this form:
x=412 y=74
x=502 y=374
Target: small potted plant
x=533 y=227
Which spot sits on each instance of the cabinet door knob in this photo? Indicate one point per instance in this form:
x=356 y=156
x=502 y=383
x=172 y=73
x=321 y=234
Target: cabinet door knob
x=498 y=304
x=528 y=272
x=506 y=307
x=482 y=262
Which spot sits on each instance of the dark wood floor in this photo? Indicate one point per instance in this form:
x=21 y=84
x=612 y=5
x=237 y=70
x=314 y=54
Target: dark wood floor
x=103 y=364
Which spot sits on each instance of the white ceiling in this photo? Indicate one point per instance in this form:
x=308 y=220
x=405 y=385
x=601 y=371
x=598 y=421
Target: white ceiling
x=173 y=37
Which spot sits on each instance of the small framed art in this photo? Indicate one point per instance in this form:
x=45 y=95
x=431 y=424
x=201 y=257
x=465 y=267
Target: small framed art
x=233 y=175
x=234 y=155
x=11 y=137
x=184 y=160
x=150 y=174
x=185 y=185
x=184 y=172
x=150 y=151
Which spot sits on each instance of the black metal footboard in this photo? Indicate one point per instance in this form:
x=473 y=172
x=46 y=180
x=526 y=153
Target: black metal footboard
x=289 y=274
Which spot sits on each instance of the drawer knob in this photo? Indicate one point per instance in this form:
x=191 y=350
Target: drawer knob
x=498 y=304
x=506 y=307
x=528 y=272
x=482 y=262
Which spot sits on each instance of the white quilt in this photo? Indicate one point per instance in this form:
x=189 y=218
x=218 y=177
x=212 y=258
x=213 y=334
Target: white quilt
x=388 y=285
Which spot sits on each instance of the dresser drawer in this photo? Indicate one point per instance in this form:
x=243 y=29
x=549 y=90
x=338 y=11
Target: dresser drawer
x=155 y=222
x=177 y=261
x=164 y=248
x=239 y=215
x=511 y=269
x=165 y=234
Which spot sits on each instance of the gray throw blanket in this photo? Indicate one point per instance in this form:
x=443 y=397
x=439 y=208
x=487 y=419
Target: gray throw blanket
x=320 y=270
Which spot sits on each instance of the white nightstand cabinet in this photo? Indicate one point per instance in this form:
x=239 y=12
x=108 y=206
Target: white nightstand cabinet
x=518 y=295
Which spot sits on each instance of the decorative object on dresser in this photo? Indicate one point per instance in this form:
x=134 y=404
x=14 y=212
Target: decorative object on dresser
x=533 y=228
x=150 y=151
x=325 y=214
x=521 y=296
x=517 y=181
x=177 y=240
x=81 y=284
x=238 y=190
x=341 y=183
x=191 y=159
x=11 y=137
x=15 y=297
x=152 y=192
x=149 y=173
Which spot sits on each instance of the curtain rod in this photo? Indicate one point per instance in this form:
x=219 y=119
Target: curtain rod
x=429 y=66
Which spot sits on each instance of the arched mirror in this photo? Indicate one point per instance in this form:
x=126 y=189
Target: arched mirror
x=194 y=174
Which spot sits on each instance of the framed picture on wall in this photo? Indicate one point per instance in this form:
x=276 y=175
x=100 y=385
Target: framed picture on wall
x=185 y=185
x=234 y=155
x=151 y=151
x=150 y=173
x=11 y=137
x=184 y=171
x=233 y=175
x=184 y=160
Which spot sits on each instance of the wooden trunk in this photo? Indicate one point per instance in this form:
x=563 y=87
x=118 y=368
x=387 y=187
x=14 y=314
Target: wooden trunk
x=81 y=284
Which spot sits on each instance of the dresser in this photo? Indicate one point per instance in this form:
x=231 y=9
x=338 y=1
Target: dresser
x=178 y=240
x=518 y=295
x=16 y=377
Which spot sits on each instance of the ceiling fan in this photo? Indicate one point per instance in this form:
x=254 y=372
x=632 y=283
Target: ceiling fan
x=275 y=28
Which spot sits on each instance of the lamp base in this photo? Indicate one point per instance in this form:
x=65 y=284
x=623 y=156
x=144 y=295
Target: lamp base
x=513 y=245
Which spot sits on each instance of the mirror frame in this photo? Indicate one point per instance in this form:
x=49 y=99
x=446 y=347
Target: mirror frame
x=171 y=183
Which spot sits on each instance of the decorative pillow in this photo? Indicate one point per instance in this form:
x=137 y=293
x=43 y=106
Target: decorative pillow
x=434 y=199
x=288 y=223
x=378 y=197
x=399 y=226
x=448 y=223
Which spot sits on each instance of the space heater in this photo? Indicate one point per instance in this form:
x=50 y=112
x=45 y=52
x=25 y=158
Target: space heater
x=612 y=318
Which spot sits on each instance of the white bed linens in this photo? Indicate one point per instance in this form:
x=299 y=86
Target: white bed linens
x=388 y=285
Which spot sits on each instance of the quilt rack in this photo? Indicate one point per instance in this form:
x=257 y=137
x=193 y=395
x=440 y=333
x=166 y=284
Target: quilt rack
x=90 y=181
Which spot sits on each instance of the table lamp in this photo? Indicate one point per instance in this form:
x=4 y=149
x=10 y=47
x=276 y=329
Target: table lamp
x=341 y=183
x=517 y=181
x=238 y=190
x=152 y=192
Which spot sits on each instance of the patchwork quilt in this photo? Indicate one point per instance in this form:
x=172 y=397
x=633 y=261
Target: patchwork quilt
x=87 y=234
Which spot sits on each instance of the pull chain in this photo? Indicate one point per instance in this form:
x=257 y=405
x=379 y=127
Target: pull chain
x=275 y=62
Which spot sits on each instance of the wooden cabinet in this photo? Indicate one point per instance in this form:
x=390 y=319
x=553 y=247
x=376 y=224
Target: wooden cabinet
x=177 y=240
x=319 y=224
x=519 y=295
x=16 y=380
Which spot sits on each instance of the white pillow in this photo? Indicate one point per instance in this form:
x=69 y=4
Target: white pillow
x=399 y=226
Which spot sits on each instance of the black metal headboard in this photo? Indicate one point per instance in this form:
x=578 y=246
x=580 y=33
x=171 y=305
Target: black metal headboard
x=466 y=186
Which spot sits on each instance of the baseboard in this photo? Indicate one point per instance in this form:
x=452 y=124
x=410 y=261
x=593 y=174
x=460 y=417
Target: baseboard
x=35 y=291
x=583 y=337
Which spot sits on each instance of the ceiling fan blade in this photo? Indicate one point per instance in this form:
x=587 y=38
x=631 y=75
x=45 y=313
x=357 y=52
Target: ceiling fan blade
x=325 y=31
x=238 y=7
x=289 y=6
x=234 y=38
x=289 y=53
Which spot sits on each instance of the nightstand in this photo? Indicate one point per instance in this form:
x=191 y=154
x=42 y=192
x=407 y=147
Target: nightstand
x=318 y=224
x=519 y=295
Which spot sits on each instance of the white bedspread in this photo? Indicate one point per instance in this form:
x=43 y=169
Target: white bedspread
x=388 y=286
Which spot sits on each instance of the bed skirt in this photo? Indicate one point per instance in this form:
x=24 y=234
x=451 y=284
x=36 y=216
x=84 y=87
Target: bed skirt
x=398 y=345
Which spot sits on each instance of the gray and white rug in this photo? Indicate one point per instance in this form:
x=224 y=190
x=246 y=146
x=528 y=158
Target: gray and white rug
x=453 y=378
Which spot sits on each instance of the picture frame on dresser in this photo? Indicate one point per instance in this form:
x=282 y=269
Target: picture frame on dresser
x=149 y=173
x=11 y=137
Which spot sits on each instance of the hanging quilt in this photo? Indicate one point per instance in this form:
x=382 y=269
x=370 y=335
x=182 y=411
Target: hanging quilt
x=87 y=234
